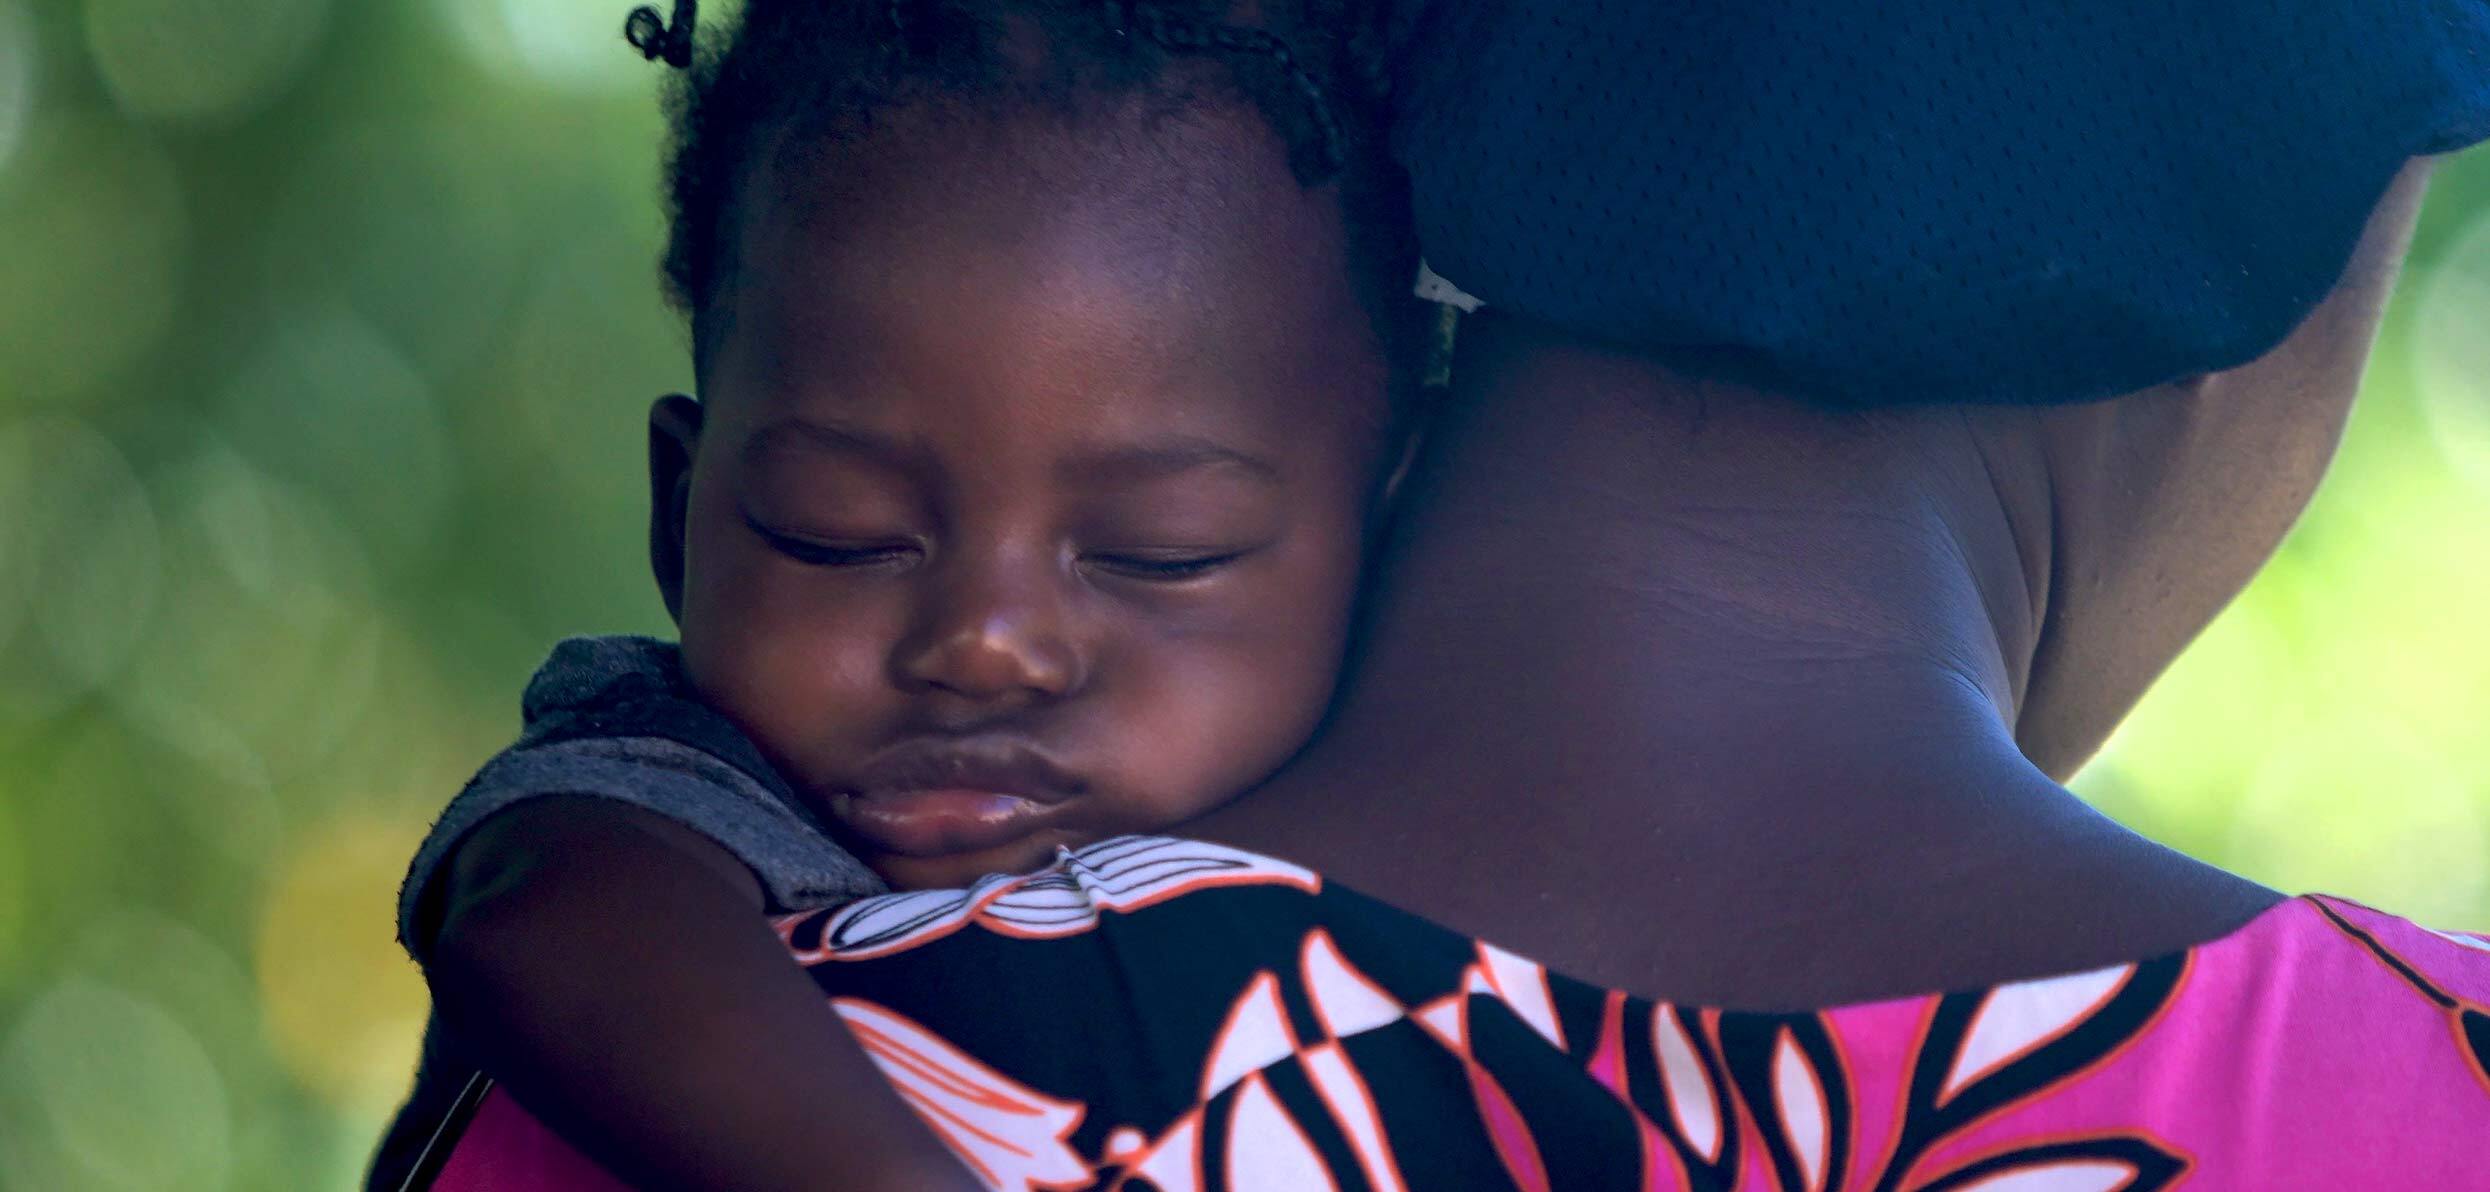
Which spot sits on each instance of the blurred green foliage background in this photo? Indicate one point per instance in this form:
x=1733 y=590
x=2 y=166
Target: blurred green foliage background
x=326 y=331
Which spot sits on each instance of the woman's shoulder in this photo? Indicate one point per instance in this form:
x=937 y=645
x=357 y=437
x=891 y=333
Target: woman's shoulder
x=2322 y=966
x=2460 y=960
x=1143 y=990
x=2323 y=1044
x=2337 y=951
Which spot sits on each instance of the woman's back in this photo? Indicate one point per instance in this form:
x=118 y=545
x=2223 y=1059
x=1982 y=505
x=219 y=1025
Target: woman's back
x=1797 y=681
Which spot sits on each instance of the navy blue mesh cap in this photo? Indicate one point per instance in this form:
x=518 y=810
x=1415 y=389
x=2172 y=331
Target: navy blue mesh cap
x=1876 y=202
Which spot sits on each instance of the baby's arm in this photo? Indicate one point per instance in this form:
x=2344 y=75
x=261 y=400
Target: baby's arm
x=617 y=970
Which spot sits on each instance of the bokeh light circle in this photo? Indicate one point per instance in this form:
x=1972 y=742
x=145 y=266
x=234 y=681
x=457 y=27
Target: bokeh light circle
x=177 y=965
x=329 y=404
x=568 y=45
x=98 y=241
x=2323 y=816
x=85 y=559
x=102 y=1090
x=16 y=899
x=267 y=661
x=18 y=58
x=200 y=60
x=21 y=543
x=409 y=228
x=345 y=1006
x=2451 y=352
x=172 y=964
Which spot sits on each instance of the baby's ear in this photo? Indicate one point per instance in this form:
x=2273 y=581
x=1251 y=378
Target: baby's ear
x=673 y=433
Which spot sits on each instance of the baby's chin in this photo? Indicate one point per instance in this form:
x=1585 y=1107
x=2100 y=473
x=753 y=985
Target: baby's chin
x=958 y=871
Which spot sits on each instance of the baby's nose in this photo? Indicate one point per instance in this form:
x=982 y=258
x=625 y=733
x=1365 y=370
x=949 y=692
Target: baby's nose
x=993 y=635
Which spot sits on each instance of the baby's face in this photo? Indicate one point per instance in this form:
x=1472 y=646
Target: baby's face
x=1031 y=483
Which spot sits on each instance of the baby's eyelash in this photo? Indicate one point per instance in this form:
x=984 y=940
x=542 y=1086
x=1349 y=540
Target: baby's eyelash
x=823 y=554
x=1163 y=568
x=840 y=556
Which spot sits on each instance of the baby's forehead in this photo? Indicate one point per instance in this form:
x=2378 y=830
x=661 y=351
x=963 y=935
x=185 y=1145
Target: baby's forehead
x=1139 y=184
x=1117 y=256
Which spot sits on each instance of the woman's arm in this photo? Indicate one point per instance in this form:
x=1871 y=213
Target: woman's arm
x=620 y=974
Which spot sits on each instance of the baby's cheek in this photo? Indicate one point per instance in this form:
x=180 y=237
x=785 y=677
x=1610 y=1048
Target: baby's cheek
x=1218 y=722
x=806 y=683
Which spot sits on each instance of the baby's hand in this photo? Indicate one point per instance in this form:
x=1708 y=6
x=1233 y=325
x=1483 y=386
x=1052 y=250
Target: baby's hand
x=589 y=915
x=615 y=972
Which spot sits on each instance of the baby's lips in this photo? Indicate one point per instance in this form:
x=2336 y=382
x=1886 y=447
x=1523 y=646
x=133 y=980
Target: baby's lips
x=940 y=821
x=994 y=766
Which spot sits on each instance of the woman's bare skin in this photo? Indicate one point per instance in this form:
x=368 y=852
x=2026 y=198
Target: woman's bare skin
x=1723 y=698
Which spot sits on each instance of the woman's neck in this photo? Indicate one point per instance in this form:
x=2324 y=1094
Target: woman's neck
x=1711 y=697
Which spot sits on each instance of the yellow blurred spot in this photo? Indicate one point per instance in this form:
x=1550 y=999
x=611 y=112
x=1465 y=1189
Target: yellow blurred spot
x=199 y=59
x=345 y=1007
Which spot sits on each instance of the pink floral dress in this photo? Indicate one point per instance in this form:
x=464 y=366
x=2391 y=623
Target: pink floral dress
x=1162 y=1014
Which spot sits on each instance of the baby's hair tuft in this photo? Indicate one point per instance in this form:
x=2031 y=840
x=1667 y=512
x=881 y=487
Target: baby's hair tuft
x=658 y=38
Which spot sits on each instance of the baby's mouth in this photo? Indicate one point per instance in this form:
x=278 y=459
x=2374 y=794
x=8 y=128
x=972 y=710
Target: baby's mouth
x=937 y=798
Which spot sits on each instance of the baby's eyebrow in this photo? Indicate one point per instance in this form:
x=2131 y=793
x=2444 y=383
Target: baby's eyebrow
x=804 y=434
x=1155 y=458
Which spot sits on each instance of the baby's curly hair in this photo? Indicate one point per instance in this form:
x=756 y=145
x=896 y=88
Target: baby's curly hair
x=1312 y=69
